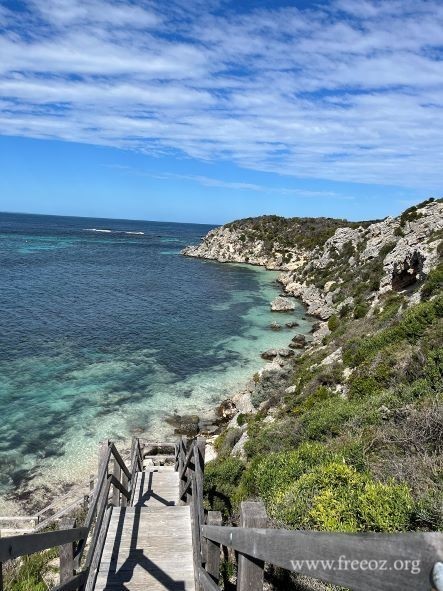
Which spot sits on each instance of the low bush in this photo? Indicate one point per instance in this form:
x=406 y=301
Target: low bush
x=221 y=479
x=276 y=471
x=411 y=327
x=27 y=574
x=226 y=441
x=335 y=497
x=333 y=323
x=434 y=283
x=267 y=438
x=360 y=310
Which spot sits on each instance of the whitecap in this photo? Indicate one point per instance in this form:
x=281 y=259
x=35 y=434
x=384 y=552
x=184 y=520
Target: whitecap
x=97 y=230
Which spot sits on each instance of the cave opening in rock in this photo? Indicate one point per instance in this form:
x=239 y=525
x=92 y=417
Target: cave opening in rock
x=408 y=273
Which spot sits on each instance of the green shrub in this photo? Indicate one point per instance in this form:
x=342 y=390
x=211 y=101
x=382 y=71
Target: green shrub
x=27 y=574
x=221 y=479
x=360 y=386
x=327 y=419
x=335 y=497
x=333 y=323
x=360 y=310
x=274 y=437
x=277 y=470
x=385 y=507
x=226 y=441
x=434 y=283
x=411 y=327
x=241 y=419
x=391 y=304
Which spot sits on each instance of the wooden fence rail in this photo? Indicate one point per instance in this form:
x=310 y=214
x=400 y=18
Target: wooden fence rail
x=367 y=562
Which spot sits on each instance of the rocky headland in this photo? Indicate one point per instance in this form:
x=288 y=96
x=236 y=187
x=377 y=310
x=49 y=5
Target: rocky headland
x=359 y=402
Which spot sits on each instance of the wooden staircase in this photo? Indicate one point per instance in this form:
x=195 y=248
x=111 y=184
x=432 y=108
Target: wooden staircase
x=148 y=545
x=147 y=530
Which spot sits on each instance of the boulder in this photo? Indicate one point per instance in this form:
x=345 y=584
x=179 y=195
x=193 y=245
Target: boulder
x=282 y=304
x=239 y=448
x=269 y=354
x=225 y=410
x=275 y=326
x=292 y=324
x=184 y=425
x=272 y=353
x=298 y=342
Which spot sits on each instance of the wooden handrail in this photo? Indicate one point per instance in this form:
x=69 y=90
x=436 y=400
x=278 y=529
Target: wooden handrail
x=120 y=487
x=74 y=583
x=186 y=489
x=42 y=524
x=186 y=462
x=120 y=461
x=15 y=546
x=205 y=580
x=364 y=561
x=122 y=480
x=100 y=513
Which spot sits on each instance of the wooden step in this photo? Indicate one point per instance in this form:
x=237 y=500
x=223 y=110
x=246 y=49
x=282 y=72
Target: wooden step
x=149 y=549
x=156 y=487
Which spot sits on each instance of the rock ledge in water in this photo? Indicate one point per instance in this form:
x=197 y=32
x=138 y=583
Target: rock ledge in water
x=281 y=304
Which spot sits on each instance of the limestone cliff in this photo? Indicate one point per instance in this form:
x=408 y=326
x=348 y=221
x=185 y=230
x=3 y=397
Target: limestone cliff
x=334 y=265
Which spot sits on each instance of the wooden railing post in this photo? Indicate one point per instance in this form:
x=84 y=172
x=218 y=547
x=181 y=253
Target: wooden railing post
x=66 y=554
x=250 y=570
x=183 y=481
x=102 y=450
x=125 y=482
x=199 y=467
x=1 y=570
x=116 y=493
x=213 y=548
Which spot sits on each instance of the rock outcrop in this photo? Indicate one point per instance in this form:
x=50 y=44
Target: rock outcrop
x=389 y=255
x=282 y=305
x=227 y=245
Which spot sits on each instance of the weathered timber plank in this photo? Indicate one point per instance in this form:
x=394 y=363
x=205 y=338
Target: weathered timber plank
x=287 y=548
x=72 y=584
x=15 y=546
x=251 y=570
x=213 y=549
x=97 y=551
x=66 y=555
x=147 y=549
x=156 y=488
x=206 y=582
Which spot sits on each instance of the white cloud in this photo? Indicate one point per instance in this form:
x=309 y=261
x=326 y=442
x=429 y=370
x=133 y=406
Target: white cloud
x=352 y=91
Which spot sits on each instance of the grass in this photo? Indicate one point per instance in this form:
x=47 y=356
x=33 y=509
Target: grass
x=28 y=572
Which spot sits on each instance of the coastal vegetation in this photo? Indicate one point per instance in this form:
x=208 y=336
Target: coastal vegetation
x=289 y=232
x=354 y=441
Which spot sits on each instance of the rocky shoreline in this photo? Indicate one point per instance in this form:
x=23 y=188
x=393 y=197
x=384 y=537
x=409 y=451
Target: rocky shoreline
x=393 y=255
x=261 y=391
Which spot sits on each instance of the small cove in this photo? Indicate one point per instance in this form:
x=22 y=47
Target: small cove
x=103 y=334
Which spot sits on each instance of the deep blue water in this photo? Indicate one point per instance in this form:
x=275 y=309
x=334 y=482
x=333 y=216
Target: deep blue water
x=102 y=334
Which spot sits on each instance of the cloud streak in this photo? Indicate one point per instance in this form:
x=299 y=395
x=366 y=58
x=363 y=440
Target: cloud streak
x=350 y=91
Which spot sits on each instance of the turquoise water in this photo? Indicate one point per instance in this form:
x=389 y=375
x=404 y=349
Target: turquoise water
x=105 y=329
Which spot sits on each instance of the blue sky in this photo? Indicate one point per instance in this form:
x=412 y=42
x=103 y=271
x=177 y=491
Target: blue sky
x=210 y=110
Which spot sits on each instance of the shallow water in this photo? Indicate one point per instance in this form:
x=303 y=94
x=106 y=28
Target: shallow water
x=102 y=334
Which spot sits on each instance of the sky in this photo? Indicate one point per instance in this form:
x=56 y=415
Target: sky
x=211 y=110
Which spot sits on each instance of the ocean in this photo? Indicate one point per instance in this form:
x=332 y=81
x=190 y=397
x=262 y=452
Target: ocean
x=105 y=330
